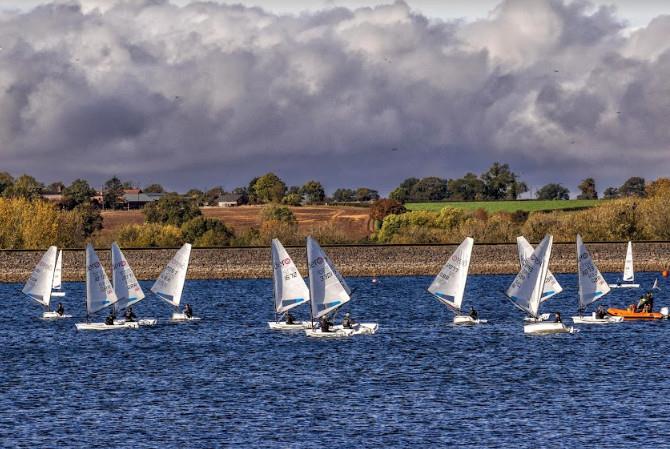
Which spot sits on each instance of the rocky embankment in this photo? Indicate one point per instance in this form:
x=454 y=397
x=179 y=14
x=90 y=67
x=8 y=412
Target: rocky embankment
x=368 y=260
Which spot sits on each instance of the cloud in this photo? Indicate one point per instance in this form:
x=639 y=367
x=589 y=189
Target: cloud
x=208 y=94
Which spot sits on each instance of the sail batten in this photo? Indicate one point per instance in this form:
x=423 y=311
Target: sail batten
x=449 y=285
x=328 y=290
x=526 y=289
x=38 y=286
x=126 y=286
x=592 y=285
x=170 y=284
x=290 y=289
x=99 y=291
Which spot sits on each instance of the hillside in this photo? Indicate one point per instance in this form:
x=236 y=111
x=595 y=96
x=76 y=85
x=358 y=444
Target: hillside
x=506 y=206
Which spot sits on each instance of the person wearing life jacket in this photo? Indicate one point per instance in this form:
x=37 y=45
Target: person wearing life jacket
x=325 y=323
x=473 y=313
x=558 y=318
x=347 y=322
x=289 y=318
x=109 y=321
x=188 y=311
x=130 y=316
x=60 y=310
x=601 y=312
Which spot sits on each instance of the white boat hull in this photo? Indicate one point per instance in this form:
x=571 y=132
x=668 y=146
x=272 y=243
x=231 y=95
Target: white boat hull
x=57 y=294
x=541 y=318
x=105 y=327
x=593 y=320
x=141 y=322
x=543 y=328
x=339 y=332
x=467 y=320
x=624 y=285
x=54 y=316
x=182 y=317
x=297 y=325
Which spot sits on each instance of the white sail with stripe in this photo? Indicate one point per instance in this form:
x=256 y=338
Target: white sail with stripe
x=58 y=272
x=449 y=285
x=628 y=272
x=526 y=289
x=328 y=291
x=592 y=285
x=126 y=286
x=170 y=283
x=99 y=291
x=289 y=287
x=551 y=285
x=38 y=286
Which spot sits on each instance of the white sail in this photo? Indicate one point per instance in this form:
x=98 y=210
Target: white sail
x=125 y=283
x=170 y=283
x=551 y=285
x=526 y=289
x=38 y=286
x=99 y=291
x=290 y=288
x=58 y=272
x=655 y=286
x=449 y=285
x=592 y=285
x=327 y=287
x=628 y=273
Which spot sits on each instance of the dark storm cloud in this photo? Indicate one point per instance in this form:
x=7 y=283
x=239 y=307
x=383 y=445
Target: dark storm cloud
x=212 y=94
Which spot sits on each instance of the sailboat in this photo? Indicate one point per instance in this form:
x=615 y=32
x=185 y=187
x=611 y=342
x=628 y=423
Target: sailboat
x=126 y=287
x=170 y=284
x=449 y=285
x=628 y=272
x=58 y=276
x=592 y=287
x=329 y=292
x=551 y=285
x=38 y=285
x=525 y=292
x=290 y=289
x=99 y=294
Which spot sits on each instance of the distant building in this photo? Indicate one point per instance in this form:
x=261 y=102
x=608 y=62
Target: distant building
x=53 y=197
x=229 y=200
x=136 y=199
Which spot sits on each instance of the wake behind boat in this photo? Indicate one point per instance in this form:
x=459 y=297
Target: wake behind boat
x=525 y=292
x=448 y=286
x=329 y=292
x=99 y=294
x=170 y=284
x=39 y=284
x=289 y=288
x=628 y=271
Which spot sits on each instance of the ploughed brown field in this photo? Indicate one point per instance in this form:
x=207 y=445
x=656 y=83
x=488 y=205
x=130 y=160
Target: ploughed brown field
x=352 y=220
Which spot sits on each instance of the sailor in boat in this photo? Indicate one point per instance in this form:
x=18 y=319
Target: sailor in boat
x=60 y=310
x=109 y=321
x=130 y=316
x=473 y=313
x=188 y=311
x=289 y=318
x=601 y=312
x=325 y=324
x=347 y=322
x=558 y=318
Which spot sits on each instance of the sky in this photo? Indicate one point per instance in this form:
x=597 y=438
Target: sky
x=350 y=93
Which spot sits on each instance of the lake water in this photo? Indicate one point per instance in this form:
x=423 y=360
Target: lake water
x=228 y=381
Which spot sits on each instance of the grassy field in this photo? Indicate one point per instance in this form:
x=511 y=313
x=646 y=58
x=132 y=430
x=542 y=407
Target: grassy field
x=507 y=206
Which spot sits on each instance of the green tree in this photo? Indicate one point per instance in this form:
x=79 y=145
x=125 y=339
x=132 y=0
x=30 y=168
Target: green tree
x=344 y=195
x=154 y=188
x=25 y=186
x=430 y=188
x=292 y=199
x=588 y=189
x=203 y=231
x=269 y=188
x=403 y=192
x=77 y=193
x=112 y=193
x=171 y=209
x=55 y=187
x=467 y=188
x=366 y=194
x=282 y=214
x=501 y=183
x=633 y=186
x=380 y=209
x=213 y=194
x=553 y=192
x=243 y=193
x=252 y=197
x=6 y=180
x=90 y=216
x=197 y=196
x=313 y=192
x=611 y=193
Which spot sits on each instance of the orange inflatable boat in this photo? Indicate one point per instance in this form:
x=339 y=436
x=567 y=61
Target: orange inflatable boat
x=630 y=314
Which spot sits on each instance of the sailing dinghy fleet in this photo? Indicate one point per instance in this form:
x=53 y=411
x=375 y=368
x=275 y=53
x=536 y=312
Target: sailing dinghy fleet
x=42 y=281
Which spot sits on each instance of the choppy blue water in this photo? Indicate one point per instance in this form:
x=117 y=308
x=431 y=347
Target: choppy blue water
x=228 y=381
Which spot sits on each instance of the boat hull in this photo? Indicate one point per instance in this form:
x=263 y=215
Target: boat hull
x=54 y=316
x=105 y=327
x=296 y=326
x=141 y=322
x=629 y=315
x=180 y=317
x=541 y=318
x=340 y=332
x=624 y=285
x=546 y=328
x=593 y=320
x=466 y=320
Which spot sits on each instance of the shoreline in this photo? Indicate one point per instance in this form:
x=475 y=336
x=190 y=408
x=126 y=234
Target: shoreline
x=351 y=260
